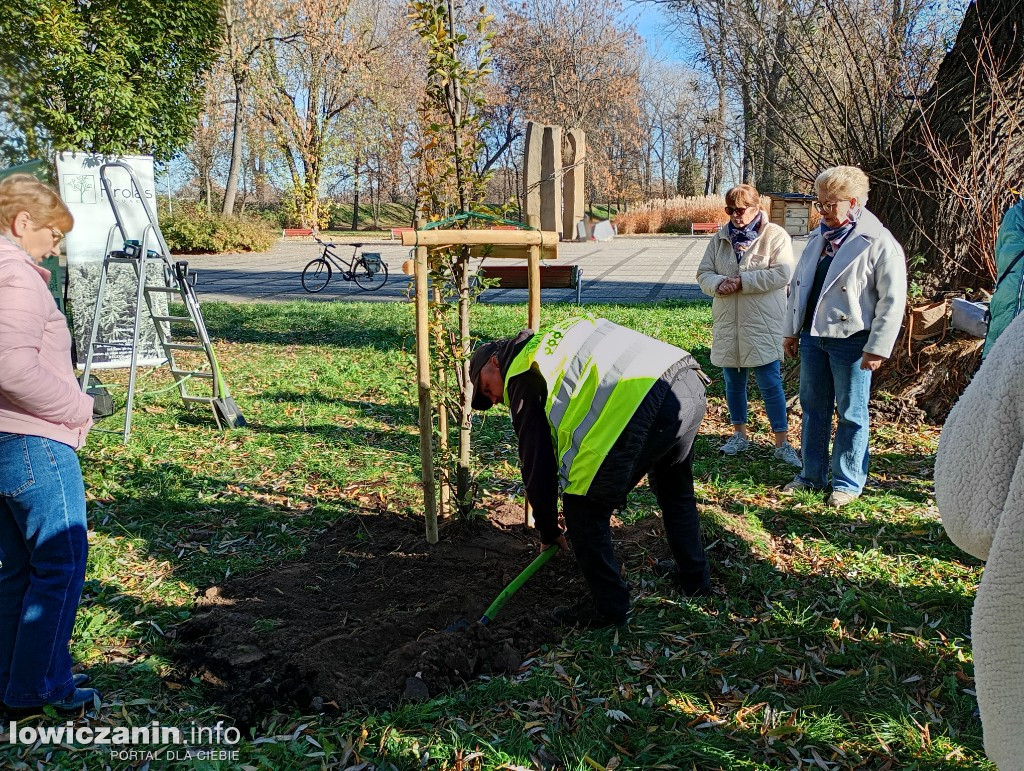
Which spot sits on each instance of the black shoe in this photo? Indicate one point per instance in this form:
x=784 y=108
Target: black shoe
x=80 y=701
x=80 y=679
x=585 y=616
x=669 y=569
x=665 y=569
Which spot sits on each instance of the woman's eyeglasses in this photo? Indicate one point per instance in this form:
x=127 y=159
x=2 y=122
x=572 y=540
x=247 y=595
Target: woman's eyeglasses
x=731 y=210
x=57 y=233
x=826 y=207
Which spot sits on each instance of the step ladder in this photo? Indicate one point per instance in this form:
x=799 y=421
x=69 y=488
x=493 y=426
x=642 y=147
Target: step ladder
x=159 y=281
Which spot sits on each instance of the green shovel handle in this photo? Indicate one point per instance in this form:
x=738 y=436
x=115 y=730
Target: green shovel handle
x=517 y=583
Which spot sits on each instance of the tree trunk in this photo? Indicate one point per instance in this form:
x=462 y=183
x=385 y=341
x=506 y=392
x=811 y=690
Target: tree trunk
x=944 y=184
x=234 y=169
x=747 y=174
x=717 y=169
x=772 y=176
x=355 y=195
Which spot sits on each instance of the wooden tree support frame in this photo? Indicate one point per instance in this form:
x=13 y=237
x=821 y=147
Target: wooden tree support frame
x=513 y=244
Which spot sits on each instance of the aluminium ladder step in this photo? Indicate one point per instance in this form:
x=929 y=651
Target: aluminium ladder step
x=184 y=347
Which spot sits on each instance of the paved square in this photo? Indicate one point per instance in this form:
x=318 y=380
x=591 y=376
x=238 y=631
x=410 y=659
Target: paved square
x=628 y=269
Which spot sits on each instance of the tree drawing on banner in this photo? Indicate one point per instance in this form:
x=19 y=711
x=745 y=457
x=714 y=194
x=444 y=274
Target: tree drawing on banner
x=81 y=184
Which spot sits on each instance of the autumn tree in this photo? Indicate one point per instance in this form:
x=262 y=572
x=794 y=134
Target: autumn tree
x=307 y=82
x=208 y=135
x=247 y=26
x=375 y=134
x=574 y=64
x=801 y=104
x=676 y=119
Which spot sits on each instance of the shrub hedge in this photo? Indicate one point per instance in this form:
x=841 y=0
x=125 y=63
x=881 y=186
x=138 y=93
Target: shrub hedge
x=193 y=230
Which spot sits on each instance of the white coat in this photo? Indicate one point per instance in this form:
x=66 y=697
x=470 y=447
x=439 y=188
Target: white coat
x=979 y=488
x=865 y=288
x=747 y=327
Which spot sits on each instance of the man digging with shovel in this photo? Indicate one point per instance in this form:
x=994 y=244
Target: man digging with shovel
x=596 y=407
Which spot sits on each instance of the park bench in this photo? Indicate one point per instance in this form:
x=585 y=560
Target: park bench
x=296 y=232
x=551 y=277
x=704 y=227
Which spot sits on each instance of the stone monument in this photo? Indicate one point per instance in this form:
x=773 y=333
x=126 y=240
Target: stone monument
x=572 y=184
x=532 y=170
x=552 y=192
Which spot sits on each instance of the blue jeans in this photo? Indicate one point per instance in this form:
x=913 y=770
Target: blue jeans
x=42 y=567
x=769 y=383
x=832 y=382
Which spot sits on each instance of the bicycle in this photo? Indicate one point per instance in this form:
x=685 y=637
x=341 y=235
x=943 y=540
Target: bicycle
x=368 y=270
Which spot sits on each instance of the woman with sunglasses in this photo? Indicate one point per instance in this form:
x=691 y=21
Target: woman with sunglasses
x=44 y=418
x=845 y=311
x=746 y=269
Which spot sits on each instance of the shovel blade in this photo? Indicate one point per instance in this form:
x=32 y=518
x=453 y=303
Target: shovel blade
x=228 y=413
x=458 y=626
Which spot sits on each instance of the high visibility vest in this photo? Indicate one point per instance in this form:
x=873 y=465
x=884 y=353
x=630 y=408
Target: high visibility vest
x=597 y=374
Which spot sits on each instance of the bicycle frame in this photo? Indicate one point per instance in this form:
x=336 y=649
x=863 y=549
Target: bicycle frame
x=337 y=261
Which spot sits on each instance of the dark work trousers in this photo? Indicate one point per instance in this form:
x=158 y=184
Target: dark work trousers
x=657 y=442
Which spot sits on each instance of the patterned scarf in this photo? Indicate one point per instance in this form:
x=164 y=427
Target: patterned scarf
x=743 y=237
x=834 y=237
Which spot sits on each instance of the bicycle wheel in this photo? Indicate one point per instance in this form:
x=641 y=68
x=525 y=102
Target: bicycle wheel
x=369 y=281
x=316 y=275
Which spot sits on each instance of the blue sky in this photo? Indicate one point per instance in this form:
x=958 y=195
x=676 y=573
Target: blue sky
x=656 y=28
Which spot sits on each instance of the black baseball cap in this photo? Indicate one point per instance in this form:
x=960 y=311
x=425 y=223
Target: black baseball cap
x=480 y=357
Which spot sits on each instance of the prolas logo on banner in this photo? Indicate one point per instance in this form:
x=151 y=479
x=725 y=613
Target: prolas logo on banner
x=78 y=176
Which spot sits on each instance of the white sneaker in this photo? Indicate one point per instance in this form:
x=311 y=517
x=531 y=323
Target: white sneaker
x=734 y=444
x=838 y=499
x=788 y=454
x=795 y=486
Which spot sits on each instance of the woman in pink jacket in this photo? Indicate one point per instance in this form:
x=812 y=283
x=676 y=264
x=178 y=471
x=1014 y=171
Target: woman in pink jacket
x=44 y=418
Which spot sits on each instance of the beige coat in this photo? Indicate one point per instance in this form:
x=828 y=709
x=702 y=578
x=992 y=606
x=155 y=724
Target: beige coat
x=979 y=488
x=747 y=330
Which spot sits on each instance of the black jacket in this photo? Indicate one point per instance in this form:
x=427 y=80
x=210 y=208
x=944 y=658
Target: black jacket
x=527 y=396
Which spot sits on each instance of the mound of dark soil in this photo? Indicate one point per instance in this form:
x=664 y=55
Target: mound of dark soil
x=361 y=620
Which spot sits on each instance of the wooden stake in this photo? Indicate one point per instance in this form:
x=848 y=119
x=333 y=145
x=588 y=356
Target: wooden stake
x=426 y=405
x=445 y=492
x=533 y=316
x=533 y=257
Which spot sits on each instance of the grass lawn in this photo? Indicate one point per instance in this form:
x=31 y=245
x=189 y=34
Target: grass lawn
x=834 y=639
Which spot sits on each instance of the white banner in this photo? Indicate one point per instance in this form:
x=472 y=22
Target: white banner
x=78 y=176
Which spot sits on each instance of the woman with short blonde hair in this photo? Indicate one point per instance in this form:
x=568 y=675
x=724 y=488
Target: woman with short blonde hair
x=844 y=313
x=746 y=269
x=842 y=182
x=44 y=418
